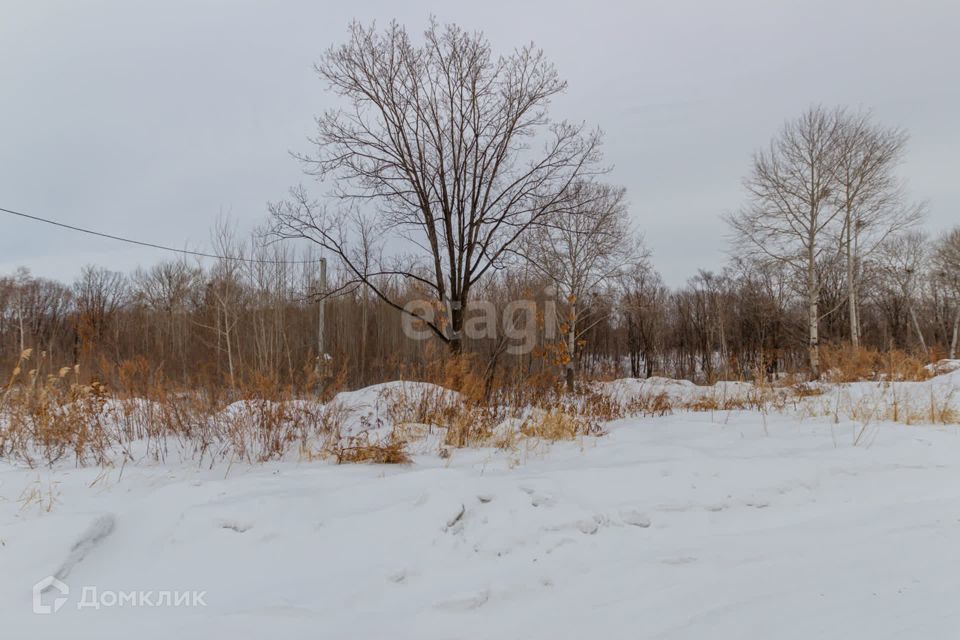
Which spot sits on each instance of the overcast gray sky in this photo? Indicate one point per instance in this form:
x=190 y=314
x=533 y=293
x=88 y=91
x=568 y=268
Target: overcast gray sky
x=147 y=119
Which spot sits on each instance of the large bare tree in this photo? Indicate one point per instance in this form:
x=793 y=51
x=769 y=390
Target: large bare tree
x=869 y=195
x=450 y=145
x=790 y=218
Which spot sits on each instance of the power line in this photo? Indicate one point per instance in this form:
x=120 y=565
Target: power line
x=152 y=245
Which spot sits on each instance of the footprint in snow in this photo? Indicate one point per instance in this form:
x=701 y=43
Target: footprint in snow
x=562 y=543
x=92 y=537
x=455 y=521
x=466 y=603
x=588 y=526
x=542 y=500
x=397 y=577
x=238 y=527
x=421 y=500
x=635 y=518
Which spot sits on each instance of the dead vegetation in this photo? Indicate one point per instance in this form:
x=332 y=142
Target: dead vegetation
x=44 y=420
x=48 y=419
x=843 y=363
x=364 y=448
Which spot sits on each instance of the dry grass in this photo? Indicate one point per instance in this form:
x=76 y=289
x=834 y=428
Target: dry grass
x=364 y=449
x=473 y=410
x=39 y=496
x=559 y=424
x=806 y=390
x=655 y=404
x=888 y=402
x=843 y=363
x=45 y=419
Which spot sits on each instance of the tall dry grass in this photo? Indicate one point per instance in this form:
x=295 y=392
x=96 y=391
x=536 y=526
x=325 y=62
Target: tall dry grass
x=47 y=419
x=844 y=363
x=139 y=415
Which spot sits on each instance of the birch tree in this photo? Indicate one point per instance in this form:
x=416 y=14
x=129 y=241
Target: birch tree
x=869 y=196
x=789 y=218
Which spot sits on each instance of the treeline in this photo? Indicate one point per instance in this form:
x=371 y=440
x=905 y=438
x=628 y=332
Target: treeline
x=236 y=321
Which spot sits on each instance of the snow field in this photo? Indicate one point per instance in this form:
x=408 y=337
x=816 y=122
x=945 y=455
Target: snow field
x=722 y=525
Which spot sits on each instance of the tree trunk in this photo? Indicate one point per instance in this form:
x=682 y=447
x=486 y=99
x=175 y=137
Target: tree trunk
x=813 y=297
x=916 y=327
x=23 y=343
x=852 y=285
x=724 y=351
x=572 y=352
x=956 y=332
x=363 y=338
x=229 y=339
x=456 y=327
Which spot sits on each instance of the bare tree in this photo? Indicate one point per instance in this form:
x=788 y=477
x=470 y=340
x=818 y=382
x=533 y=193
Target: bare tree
x=225 y=288
x=644 y=303
x=946 y=263
x=899 y=264
x=585 y=246
x=869 y=195
x=451 y=145
x=21 y=279
x=165 y=290
x=99 y=295
x=789 y=218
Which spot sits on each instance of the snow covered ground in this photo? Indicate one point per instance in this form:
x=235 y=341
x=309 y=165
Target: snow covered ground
x=696 y=525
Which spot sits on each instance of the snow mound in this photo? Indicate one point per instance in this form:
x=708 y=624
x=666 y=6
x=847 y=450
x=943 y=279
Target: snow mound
x=945 y=366
x=625 y=390
x=381 y=407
